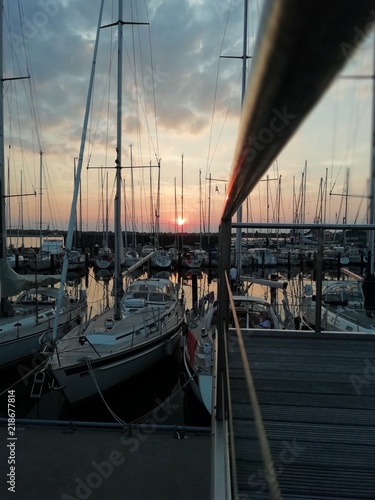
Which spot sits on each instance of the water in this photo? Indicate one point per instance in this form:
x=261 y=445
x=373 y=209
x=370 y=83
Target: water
x=159 y=393
x=137 y=399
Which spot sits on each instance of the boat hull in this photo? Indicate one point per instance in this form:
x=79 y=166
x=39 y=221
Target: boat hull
x=199 y=383
x=87 y=379
x=26 y=341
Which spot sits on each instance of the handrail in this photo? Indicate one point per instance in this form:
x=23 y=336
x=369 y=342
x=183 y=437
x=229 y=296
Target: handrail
x=271 y=477
x=300 y=48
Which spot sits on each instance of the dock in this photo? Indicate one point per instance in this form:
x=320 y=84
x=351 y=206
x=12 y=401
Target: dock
x=68 y=463
x=316 y=395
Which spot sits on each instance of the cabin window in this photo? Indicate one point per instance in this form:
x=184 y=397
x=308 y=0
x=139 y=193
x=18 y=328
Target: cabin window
x=156 y=297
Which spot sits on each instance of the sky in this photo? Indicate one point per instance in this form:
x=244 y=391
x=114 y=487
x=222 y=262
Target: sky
x=181 y=105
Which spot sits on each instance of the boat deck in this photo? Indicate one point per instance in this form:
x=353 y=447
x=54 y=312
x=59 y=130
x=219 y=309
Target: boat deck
x=316 y=394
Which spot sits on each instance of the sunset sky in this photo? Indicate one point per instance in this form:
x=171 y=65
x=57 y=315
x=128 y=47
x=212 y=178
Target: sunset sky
x=180 y=99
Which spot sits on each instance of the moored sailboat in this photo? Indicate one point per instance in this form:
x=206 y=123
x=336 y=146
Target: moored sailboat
x=252 y=313
x=28 y=306
x=347 y=305
x=142 y=327
x=109 y=351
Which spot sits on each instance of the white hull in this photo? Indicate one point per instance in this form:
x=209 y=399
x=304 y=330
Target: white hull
x=25 y=342
x=161 y=260
x=78 y=382
x=200 y=384
x=43 y=265
x=339 y=321
x=110 y=350
x=190 y=261
x=104 y=264
x=343 y=307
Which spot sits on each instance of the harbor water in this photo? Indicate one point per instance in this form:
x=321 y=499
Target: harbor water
x=161 y=390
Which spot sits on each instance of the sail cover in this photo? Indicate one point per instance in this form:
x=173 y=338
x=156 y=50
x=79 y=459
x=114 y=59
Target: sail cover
x=12 y=283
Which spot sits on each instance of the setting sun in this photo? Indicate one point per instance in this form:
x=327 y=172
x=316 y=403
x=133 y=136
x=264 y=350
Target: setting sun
x=180 y=221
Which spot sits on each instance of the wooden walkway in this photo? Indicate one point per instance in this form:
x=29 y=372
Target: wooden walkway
x=316 y=394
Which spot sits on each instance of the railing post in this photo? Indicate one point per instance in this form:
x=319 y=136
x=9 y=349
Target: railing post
x=225 y=233
x=319 y=280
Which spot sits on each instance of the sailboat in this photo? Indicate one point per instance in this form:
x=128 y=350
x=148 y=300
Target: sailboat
x=104 y=259
x=28 y=303
x=347 y=304
x=252 y=312
x=142 y=327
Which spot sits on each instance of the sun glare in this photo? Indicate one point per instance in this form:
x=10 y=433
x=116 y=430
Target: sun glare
x=180 y=221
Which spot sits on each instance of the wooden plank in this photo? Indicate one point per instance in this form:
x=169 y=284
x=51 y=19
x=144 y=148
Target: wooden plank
x=317 y=397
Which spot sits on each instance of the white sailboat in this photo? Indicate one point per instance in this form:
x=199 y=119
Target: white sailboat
x=143 y=326
x=252 y=312
x=347 y=304
x=28 y=303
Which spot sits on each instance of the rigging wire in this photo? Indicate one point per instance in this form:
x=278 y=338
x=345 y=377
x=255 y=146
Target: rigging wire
x=216 y=88
x=30 y=96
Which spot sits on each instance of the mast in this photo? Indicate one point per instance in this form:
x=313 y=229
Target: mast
x=21 y=211
x=76 y=224
x=40 y=202
x=325 y=196
x=304 y=194
x=69 y=237
x=3 y=230
x=175 y=215
x=372 y=187
x=117 y=274
x=157 y=212
x=105 y=237
x=346 y=206
x=80 y=239
x=152 y=219
x=3 y=227
x=200 y=209
x=9 y=210
x=133 y=201
x=244 y=60
x=182 y=203
x=125 y=216
x=209 y=209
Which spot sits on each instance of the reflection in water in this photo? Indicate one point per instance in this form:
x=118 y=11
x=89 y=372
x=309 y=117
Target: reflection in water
x=136 y=399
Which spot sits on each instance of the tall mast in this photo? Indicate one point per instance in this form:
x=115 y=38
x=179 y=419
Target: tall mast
x=200 y=209
x=3 y=230
x=9 y=210
x=157 y=214
x=40 y=201
x=244 y=60
x=117 y=276
x=133 y=202
x=69 y=237
x=325 y=196
x=372 y=187
x=182 y=203
x=346 y=205
x=209 y=208
x=175 y=214
x=21 y=211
